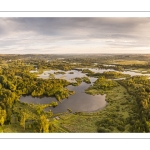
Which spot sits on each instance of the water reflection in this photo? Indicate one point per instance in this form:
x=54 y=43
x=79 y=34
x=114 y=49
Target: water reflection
x=80 y=101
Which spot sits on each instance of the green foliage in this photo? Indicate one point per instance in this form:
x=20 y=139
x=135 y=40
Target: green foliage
x=87 y=71
x=70 y=111
x=59 y=72
x=24 y=116
x=86 y=80
x=139 y=87
x=51 y=76
x=100 y=85
x=44 y=124
x=2 y=116
x=78 y=80
x=71 y=72
x=109 y=75
x=53 y=104
x=102 y=130
x=8 y=97
x=123 y=113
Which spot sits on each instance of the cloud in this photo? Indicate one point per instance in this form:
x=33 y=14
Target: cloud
x=70 y=35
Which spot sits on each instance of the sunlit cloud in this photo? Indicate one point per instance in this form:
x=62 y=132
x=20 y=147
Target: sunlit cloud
x=74 y=35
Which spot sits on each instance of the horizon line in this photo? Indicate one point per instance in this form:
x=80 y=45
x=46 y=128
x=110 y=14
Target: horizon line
x=70 y=53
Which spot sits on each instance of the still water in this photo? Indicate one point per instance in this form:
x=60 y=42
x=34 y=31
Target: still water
x=80 y=101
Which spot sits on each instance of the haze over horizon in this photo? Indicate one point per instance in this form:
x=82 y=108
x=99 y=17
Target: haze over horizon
x=74 y=35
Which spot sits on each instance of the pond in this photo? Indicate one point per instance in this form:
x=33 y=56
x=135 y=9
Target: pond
x=79 y=102
x=76 y=73
x=69 y=75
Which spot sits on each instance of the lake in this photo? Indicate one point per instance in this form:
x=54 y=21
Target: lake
x=80 y=101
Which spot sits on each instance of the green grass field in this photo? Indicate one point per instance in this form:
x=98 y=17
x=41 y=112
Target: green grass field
x=129 y=62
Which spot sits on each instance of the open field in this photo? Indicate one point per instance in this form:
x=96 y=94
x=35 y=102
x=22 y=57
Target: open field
x=130 y=62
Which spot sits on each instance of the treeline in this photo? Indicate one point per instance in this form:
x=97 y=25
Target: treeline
x=109 y=74
x=138 y=86
x=115 y=67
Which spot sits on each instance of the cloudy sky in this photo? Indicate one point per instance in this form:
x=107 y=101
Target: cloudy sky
x=74 y=35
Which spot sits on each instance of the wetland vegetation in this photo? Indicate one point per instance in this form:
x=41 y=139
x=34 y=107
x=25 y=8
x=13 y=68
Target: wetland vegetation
x=77 y=93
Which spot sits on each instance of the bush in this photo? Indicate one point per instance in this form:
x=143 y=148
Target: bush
x=120 y=128
x=102 y=130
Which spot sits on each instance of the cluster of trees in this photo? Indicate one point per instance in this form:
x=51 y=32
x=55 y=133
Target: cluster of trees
x=87 y=71
x=113 y=74
x=138 y=86
x=101 y=85
x=110 y=123
x=71 y=72
x=16 y=80
x=104 y=84
x=42 y=123
x=109 y=75
x=80 y=80
x=7 y=100
x=59 y=72
x=86 y=80
x=28 y=84
x=115 y=67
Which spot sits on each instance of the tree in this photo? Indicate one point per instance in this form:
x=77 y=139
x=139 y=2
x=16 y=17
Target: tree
x=44 y=124
x=24 y=116
x=2 y=116
x=39 y=110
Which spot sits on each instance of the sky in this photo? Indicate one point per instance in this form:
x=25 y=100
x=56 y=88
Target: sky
x=65 y=35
